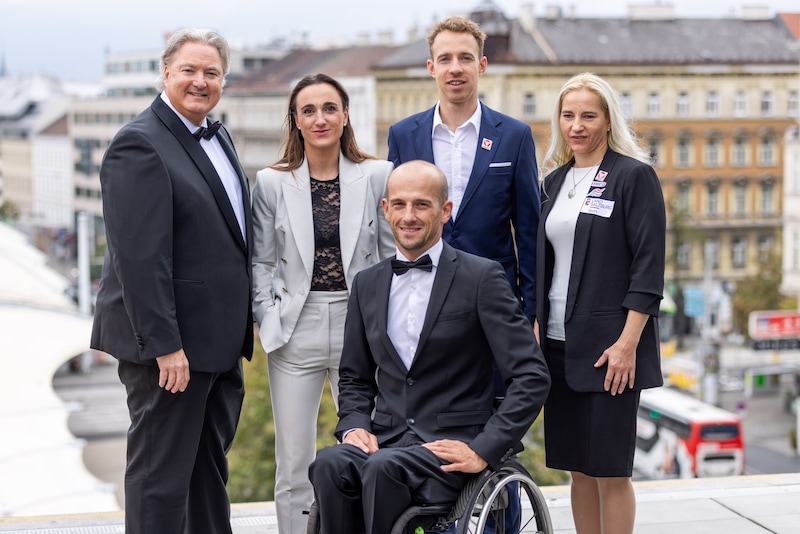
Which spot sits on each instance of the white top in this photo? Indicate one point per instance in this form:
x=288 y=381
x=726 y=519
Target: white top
x=408 y=304
x=454 y=153
x=223 y=166
x=559 y=228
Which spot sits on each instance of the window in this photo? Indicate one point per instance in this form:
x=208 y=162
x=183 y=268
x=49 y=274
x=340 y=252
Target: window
x=625 y=103
x=683 y=104
x=654 y=149
x=682 y=158
x=713 y=145
x=740 y=199
x=767 y=104
x=683 y=200
x=712 y=252
x=712 y=204
x=739 y=156
x=766 y=151
x=738 y=251
x=795 y=250
x=767 y=190
x=740 y=104
x=653 y=105
x=529 y=105
x=765 y=244
x=712 y=104
x=793 y=104
x=684 y=255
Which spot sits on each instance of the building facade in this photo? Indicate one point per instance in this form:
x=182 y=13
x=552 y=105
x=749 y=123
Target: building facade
x=711 y=99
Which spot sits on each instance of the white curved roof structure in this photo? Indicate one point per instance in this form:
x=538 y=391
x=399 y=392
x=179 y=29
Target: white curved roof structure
x=41 y=462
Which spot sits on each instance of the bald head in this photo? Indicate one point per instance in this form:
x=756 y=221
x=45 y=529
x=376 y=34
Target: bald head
x=416 y=206
x=422 y=170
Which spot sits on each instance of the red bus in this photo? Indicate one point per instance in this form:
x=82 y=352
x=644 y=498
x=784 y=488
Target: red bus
x=679 y=436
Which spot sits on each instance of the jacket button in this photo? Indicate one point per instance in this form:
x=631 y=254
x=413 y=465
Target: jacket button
x=410 y=421
x=410 y=382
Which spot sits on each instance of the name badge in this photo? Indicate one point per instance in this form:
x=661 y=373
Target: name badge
x=598 y=206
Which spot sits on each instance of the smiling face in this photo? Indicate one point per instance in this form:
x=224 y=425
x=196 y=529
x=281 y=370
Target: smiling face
x=456 y=64
x=416 y=207
x=193 y=80
x=320 y=116
x=584 y=124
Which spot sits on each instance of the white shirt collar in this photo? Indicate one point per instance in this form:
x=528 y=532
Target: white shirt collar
x=435 y=252
x=192 y=127
x=474 y=120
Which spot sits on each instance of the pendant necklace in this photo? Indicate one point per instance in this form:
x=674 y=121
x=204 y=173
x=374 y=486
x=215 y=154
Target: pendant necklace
x=575 y=184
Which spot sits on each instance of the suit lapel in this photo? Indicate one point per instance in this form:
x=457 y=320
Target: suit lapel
x=297 y=194
x=353 y=194
x=583 y=232
x=227 y=145
x=421 y=136
x=383 y=286
x=490 y=131
x=445 y=272
x=198 y=155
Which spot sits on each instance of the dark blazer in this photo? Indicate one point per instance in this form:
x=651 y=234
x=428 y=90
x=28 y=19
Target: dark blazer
x=177 y=271
x=472 y=318
x=617 y=265
x=502 y=191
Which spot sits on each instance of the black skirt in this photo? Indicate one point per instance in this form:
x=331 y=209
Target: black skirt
x=591 y=433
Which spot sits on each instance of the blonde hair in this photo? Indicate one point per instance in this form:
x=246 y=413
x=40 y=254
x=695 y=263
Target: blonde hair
x=621 y=138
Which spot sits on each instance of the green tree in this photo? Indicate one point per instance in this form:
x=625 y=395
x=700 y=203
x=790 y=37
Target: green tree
x=761 y=292
x=680 y=225
x=9 y=211
x=252 y=456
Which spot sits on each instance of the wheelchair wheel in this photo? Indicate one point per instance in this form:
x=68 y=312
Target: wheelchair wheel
x=490 y=496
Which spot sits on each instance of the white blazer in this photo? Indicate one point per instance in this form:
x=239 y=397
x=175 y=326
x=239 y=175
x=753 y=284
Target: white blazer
x=283 y=238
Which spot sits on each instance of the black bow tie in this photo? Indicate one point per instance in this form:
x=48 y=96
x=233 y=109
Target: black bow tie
x=402 y=267
x=207 y=133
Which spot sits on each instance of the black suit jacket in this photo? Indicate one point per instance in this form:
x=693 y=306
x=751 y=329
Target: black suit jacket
x=617 y=265
x=177 y=272
x=473 y=317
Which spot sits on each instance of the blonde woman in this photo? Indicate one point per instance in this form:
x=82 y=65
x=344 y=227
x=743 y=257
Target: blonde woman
x=600 y=277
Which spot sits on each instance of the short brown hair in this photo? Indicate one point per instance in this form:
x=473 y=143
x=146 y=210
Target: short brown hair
x=457 y=24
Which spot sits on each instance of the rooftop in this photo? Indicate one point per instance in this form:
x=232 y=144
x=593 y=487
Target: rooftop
x=756 y=504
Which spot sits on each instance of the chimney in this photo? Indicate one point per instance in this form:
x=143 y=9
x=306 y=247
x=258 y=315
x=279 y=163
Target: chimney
x=527 y=17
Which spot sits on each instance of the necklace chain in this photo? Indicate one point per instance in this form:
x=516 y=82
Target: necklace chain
x=575 y=184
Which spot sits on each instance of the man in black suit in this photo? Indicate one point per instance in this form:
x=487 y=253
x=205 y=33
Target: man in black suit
x=416 y=412
x=174 y=300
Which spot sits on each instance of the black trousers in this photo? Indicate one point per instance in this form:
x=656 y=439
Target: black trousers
x=177 y=467
x=357 y=492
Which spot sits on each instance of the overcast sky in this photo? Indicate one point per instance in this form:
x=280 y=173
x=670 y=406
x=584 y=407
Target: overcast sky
x=68 y=39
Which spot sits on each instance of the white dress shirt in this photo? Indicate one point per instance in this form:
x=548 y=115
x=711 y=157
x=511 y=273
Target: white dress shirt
x=223 y=166
x=408 y=304
x=559 y=228
x=454 y=153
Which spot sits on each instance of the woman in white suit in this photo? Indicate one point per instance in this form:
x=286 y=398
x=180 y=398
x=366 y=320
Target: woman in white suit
x=317 y=221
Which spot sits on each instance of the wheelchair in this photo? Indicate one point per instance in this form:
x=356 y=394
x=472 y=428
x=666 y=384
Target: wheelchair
x=486 y=495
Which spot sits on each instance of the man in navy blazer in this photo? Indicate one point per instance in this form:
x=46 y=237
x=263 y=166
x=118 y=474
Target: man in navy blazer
x=487 y=157
x=416 y=412
x=174 y=300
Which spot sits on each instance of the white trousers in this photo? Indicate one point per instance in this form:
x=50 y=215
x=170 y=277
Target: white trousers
x=297 y=374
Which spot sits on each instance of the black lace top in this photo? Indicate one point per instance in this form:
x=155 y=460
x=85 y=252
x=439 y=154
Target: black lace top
x=328 y=267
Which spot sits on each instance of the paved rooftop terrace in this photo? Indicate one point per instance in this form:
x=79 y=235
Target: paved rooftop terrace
x=755 y=504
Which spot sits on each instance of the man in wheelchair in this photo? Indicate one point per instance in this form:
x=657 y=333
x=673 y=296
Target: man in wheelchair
x=416 y=394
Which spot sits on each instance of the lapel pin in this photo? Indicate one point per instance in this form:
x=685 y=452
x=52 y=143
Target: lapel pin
x=486 y=144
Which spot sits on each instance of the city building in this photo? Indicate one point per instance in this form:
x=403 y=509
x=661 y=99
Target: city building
x=254 y=107
x=712 y=99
